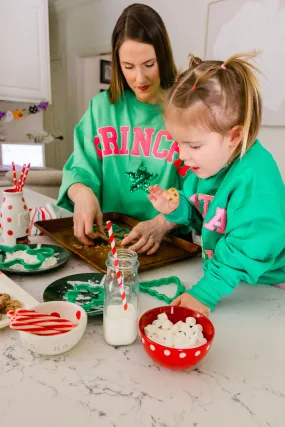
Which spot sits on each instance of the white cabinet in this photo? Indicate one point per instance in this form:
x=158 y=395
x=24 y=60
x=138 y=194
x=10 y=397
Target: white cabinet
x=24 y=51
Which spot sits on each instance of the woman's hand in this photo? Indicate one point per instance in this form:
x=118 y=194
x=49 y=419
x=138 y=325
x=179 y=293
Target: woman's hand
x=186 y=300
x=148 y=235
x=160 y=200
x=86 y=210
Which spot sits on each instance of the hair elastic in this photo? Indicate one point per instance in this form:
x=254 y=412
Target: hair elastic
x=194 y=87
x=223 y=67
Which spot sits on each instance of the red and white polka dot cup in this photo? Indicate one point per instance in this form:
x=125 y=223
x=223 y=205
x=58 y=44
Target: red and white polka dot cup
x=14 y=217
x=174 y=358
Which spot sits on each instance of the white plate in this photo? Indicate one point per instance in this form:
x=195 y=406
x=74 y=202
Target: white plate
x=7 y=286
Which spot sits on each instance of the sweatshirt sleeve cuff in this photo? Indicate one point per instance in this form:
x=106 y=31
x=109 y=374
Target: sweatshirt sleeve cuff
x=75 y=178
x=182 y=213
x=205 y=292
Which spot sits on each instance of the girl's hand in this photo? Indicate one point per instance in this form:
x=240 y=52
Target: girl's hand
x=148 y=235
x=186 y=300
x=86 y=210
x=160 y=200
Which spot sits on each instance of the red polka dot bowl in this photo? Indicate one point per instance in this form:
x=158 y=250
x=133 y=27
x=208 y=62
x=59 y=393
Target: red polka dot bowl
x=57 y=344
x=173 y=358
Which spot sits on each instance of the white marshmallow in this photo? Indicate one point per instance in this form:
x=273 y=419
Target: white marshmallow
x=179 y=324
x=168 y=334
x=160 y=333
x=168 y=339
x=199 y=335
x=184 y=328
x=175 y=329
x=197 y=328
x=157 y=323
x=191 y=321
x=147 y=330
x=192 y=342
x=162 y=317
x=190 y=333
x=150 y=330
x=202 y=341
x=180 y=335
x=167 y=325
x=178 y=343
x=179 y=340
x=155 y=329
x=165 y=334
x=159 y=339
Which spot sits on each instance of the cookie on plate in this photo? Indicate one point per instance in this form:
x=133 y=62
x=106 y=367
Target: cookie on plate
x=3 y=301
x=5 y=297
x=12 y=305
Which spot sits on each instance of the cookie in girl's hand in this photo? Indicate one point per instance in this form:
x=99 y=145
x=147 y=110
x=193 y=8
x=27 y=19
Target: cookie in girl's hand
x=174 y=195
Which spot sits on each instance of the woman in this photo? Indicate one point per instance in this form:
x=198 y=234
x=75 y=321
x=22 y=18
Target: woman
x=121 y=145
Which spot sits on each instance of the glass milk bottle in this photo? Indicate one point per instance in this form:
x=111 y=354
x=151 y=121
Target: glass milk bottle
x=15 y=218
x=120 y=326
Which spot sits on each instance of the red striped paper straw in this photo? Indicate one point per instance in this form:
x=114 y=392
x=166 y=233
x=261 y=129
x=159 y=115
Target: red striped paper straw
x=21 y=176
x=26 y=171
x=14 y=176
x=116 y=264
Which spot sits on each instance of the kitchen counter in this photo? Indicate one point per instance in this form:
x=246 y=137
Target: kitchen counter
x=241 y=382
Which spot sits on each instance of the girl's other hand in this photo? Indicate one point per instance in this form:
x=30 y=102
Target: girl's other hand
x=186 y=300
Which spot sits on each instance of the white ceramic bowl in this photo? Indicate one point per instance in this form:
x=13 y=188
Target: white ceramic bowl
x=59 y=343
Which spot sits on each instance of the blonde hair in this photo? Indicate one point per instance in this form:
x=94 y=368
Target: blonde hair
x=219 y=96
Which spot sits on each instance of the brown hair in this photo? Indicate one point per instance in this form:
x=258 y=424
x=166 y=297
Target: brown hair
x=143 y=24
x=218 y=96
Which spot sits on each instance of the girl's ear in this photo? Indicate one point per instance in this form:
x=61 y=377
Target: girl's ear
x=235 y=136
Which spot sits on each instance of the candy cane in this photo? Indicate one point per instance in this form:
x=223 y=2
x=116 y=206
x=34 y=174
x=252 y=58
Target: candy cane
x=48 y=323
x=39 y=323
x=31 y=313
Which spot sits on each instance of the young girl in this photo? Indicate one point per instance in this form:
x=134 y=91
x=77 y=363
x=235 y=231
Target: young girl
x=234 y=196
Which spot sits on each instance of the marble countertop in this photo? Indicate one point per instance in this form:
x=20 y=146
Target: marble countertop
x=241 y=382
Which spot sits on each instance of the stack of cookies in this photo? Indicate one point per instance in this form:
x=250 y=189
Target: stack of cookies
x=7 y=304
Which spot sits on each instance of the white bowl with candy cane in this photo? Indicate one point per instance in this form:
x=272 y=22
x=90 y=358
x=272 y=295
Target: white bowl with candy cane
x=50 y=328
